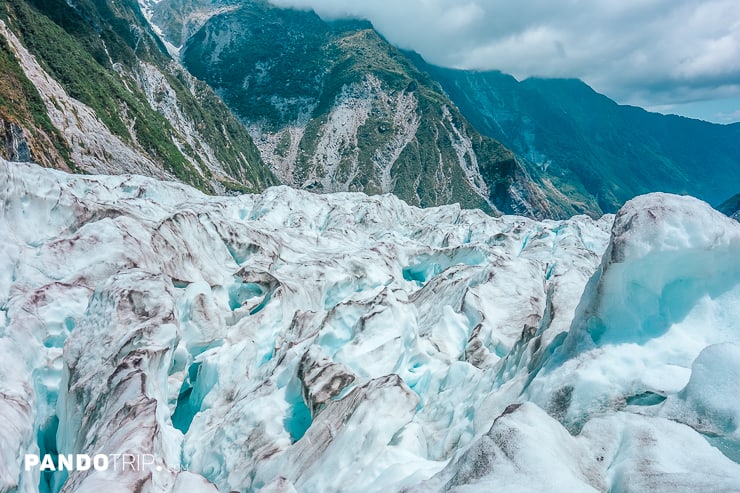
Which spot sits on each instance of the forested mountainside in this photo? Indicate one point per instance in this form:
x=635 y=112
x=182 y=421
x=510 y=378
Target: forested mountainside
x=326 y=106
x=88 y=86
x=333 y=106
x=594 y=150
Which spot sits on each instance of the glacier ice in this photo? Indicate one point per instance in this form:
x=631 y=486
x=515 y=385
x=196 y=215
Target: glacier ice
x=295 y=342
x=706 y=403
x=526 y=450
x=667 y=288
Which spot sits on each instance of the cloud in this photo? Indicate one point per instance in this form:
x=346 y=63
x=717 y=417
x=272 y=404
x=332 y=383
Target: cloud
x=647 y=52
x=719 y=110
x=728 y=117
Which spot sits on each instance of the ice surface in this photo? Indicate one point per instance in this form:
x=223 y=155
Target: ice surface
x=668 y=287
x=709 y=401
x=296 y=342
x=528 y=451
x=525 y=451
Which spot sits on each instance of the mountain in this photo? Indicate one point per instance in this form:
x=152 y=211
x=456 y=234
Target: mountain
x=292 y=341
x=595 y=151
x=325 y=106
x=731 y=207
x=332 y=106
x=88 y=86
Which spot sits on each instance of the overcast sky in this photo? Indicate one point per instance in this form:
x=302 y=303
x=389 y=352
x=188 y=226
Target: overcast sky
x=675 y=56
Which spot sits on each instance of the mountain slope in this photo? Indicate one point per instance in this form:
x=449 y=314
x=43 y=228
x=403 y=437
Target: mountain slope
x=333 y=107
x=91 y=88
x=594 y=150
x=731 y=207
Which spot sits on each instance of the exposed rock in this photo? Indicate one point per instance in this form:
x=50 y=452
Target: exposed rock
x=16 y=146
x=322 y=379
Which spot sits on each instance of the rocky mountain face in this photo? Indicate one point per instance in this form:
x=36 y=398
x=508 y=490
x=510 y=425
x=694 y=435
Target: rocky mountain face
x=333 y=107
x=600 y=154
x=731 y=207
x=325 y=106
x=296 y=342
x=88 y=86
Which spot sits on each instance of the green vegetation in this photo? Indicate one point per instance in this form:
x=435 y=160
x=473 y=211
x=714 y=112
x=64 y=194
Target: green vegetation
x=596 y=153
x=84 y=78
x=276 y=66
x=227 y=138
x=283 y=145
x=21 y=104
x=93 y=49
x=252 y=79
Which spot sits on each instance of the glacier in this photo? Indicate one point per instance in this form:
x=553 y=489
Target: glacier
x=293 y=342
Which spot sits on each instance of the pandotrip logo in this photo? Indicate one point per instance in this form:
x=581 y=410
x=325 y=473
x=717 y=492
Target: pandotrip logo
x=98 y=462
